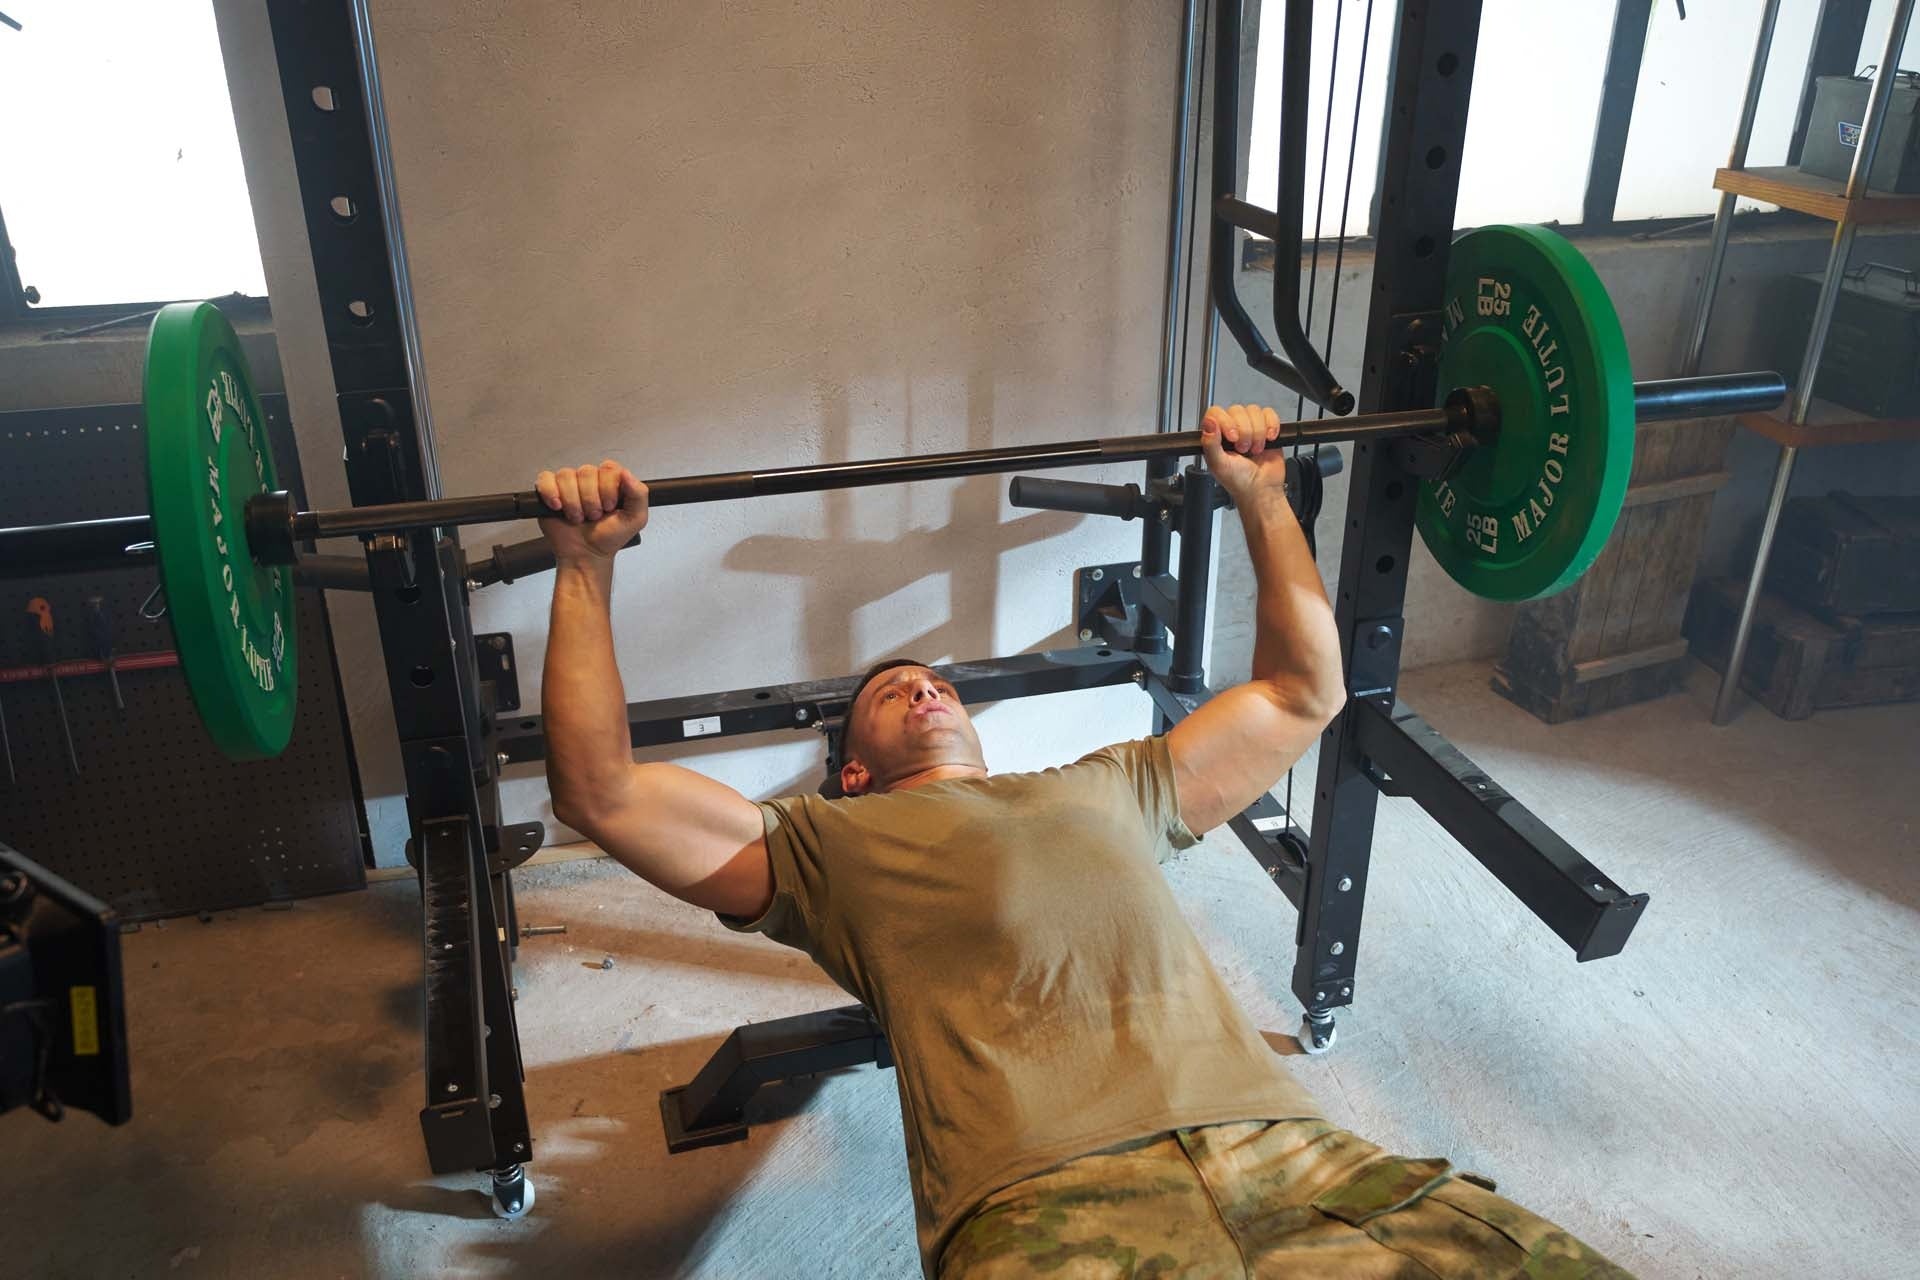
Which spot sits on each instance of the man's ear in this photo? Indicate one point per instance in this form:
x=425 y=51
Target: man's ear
x=854 y=778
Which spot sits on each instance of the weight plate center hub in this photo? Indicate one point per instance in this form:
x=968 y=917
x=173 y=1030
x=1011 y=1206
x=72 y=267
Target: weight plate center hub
x=1526 y=316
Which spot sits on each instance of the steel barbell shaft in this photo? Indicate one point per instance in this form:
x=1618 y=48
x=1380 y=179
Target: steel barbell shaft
x=719 y=486
x=39 y=550
x=1712 y=396
x=1670 y=398
x=35 y=550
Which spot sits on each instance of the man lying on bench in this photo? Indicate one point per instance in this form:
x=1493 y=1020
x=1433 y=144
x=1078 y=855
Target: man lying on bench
x=1081 y=1094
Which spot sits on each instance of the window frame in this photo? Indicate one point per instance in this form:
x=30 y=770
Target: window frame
x=1838 y=32
x=18 y=311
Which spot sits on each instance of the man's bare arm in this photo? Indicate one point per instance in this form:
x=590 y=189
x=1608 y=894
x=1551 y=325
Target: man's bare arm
x=1239 y=743
x=698 y=839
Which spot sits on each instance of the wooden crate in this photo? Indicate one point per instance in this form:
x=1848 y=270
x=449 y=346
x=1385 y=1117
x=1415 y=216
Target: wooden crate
x=1615 y=636
x=1799 y=662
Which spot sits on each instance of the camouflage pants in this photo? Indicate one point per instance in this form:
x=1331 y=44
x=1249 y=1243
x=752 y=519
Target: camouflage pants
x=1259 y=1199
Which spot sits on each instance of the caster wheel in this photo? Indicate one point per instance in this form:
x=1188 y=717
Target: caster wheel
x=1317 y=1037
x=512 y=1196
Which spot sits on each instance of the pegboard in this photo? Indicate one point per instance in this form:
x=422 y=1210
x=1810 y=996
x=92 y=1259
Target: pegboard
x=157 y=822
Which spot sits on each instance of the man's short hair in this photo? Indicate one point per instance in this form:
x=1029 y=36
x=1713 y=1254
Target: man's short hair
x=837 y=756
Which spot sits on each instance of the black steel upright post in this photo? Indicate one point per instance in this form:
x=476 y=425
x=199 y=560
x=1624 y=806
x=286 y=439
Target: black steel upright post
x=1426 y=122
x=1183 y=193
x=1199 y=492
x=475 y=1117
x=1618 y=89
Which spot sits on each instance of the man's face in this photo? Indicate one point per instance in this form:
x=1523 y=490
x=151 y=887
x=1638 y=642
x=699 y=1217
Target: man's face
x=906 y=721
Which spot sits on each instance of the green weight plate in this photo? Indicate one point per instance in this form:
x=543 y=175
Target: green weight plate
x=207 y=453
x=1526 y=316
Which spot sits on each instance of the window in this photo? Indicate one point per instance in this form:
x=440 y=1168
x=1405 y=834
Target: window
x=1686 y=104
x=1263 y=137
x=1530 y=121
x=120 y=176
x=1543 y=117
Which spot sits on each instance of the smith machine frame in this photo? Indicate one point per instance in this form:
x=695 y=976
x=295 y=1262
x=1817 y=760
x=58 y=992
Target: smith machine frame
x=454 y=693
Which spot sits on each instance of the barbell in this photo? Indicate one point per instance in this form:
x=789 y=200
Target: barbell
x=1524 y=464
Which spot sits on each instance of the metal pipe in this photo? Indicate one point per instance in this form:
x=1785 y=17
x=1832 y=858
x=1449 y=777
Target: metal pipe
x=1710 y=397
x=1307 y=375
x=1248 y=217
x=1756 y=80
x=1123 y=501
x=1883 y=81
x=1723 y=214
x=336 y=573
x=1870 y=130
x=1709 y=284
x=1126 y=502
x=1226 y=177
x=1210 y=358
x=1737 y=657
x=1172 y=323
x=1156 y=537
x=1290 y=203
x=389 y=189
x=1823 y=306
x=1783 y=471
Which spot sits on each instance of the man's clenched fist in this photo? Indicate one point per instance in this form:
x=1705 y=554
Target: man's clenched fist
x=597 y=510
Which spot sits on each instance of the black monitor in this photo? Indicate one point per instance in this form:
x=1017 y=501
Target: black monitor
x=63 y=1024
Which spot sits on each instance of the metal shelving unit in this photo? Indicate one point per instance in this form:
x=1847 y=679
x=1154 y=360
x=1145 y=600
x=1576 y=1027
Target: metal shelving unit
x=1849 y=207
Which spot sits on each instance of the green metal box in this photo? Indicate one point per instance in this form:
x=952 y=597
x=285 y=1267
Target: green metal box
x=1872 y=358
x=1833 y=132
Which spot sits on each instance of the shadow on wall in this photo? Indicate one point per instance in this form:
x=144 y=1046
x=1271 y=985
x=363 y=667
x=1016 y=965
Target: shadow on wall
x=884 y=566
x=931 y=228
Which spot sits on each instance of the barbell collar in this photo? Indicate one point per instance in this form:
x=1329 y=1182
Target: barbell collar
x=270 y=527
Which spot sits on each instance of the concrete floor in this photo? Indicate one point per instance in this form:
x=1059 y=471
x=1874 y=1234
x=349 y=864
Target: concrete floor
x=1735 y=1095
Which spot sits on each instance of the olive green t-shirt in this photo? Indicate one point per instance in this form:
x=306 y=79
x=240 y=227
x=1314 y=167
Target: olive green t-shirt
x=1041 y=993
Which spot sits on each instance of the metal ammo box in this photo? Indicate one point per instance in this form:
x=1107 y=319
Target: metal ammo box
x=1872 y=358
x=1833 y=132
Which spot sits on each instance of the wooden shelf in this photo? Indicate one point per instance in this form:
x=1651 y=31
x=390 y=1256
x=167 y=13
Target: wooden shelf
x=1822 y=197
x=1829 y=423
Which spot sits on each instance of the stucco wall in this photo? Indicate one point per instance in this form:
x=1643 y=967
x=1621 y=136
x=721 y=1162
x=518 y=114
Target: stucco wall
x=698 y=237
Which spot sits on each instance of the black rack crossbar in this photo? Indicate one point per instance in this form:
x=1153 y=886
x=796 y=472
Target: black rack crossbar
x=1570 y=895
x=810 y=703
